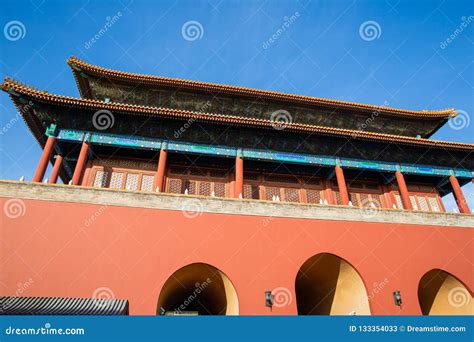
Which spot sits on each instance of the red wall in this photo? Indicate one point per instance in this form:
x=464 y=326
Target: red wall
x=73 y=249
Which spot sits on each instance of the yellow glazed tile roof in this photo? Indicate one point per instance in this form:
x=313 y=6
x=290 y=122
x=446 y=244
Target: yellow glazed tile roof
x=17 y=88
x=76 y=64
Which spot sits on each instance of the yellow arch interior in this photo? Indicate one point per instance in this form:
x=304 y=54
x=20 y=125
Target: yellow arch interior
x=328 y=285
x=440 y=293
x=198 y=289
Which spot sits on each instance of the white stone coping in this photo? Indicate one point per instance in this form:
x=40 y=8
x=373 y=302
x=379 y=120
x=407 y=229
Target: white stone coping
x=124 y=198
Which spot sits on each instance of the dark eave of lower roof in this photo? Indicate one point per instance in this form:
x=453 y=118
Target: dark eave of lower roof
x=38 y=131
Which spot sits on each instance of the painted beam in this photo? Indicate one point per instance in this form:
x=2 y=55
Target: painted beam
x=255 y=154
x=202 y=149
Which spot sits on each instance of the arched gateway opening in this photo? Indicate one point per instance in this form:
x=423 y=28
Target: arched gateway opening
x=198 y=289
x=328 y=285
x=440 y=293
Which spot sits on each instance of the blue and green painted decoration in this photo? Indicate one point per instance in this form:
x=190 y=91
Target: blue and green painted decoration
x=294 y=158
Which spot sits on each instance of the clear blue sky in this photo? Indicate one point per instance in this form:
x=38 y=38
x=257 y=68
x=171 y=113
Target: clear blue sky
x=321 y=52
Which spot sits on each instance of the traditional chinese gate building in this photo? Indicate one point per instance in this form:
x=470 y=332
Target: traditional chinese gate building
x=187 y=197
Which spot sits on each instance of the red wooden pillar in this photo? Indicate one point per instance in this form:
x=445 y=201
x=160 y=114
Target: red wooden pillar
x=402 y=188
x=160 y=172
x=341 y=184
x=458 y=194
x=239 y=176
x=81 y=162
x=53 y=178
x=45 y=157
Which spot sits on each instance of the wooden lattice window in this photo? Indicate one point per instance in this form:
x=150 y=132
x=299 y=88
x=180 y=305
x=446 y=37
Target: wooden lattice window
x=425 y=202
x=219 y=189
x=423 y=197
x=122 y=178
x=314 y=196
x=433 y=202
x=271 y=193
x=100 y=179
x=398 y=200
x=366 y=195
x=354 y=199
x=190 y=187
x=147 y=183
x=205 y=188
x=291 y=195
x=131 y=182
x=251 y=191
x=175 y=186
x=413 y=202
x=116 y=180
x=197 y=181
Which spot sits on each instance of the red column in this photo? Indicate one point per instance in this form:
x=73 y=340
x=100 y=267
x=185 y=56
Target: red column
x=81 y=162
x=239 y=177
x=460 y=200
x=53 y=178
x=43 y=162
x=341 y=184
x=160 y=172
x=402 y=188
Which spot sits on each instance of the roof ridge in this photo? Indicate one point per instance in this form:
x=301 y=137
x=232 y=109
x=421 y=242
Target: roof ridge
x=9 y=84
x=75 y=62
